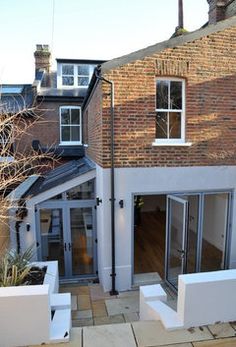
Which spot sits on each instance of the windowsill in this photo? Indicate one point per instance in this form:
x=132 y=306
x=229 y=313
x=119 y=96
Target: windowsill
x=178 y=144
x=70 y=144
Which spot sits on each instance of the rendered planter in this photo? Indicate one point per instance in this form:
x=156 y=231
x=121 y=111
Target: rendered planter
x=25 y=312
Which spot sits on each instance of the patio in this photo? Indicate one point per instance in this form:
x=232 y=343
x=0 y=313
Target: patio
x=105 y=321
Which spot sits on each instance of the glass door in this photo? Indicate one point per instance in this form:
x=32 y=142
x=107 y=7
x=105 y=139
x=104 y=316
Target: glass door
x=176 y=243
x=82 y=241
x=52 y=243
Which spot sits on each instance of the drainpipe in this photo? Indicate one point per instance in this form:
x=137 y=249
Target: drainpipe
x=17 y=227
x=113 y=290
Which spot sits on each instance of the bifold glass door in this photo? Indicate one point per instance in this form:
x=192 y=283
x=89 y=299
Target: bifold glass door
x=67 y=234
x=197 y=234
x=177 y=212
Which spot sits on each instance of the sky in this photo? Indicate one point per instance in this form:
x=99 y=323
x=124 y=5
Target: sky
x=85 y=29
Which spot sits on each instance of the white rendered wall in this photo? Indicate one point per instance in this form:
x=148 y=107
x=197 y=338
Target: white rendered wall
x=131 y=181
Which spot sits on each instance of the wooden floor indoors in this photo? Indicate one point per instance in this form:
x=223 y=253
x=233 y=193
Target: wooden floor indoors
x=149 y=247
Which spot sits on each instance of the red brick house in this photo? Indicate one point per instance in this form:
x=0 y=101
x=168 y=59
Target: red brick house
x=159 y=128
x=174 y=124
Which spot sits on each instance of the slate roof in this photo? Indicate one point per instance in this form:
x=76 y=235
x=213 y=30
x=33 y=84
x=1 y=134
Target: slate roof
x=61 y=174
x=16 y=97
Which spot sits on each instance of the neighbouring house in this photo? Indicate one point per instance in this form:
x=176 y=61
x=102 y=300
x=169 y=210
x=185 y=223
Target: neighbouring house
x=160 y=157
x=59 y=97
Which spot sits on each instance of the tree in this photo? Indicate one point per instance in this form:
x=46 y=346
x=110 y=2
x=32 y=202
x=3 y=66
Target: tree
x=17 y=163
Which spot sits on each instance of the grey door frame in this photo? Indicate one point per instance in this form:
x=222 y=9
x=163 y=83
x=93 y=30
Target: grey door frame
x=183 y=256
x=201 y=195
x=65 y=206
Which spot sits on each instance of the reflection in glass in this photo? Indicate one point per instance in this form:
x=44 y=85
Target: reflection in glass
x=161 y=125
x=67 y=69
x=175 y=95
x=83 y=81
x=75 y=116
x=52 y=242
x=84 y=191
x=81 y=220
x=162 y=94
x=176 y=232
x=174 y=125
x=83 y=70
x=214 y=231
x=67 y=80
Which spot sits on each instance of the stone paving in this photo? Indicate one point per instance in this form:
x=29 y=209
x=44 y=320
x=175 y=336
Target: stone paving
x=100 y=320
x=91 y=306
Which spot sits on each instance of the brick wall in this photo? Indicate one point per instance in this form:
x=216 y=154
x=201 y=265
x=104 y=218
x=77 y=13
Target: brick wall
x=47 y=129
x=208 y=65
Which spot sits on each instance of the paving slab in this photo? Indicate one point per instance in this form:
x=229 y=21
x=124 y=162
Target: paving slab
x=109 y=320
x=82 y=322
x=97 y=293
x=99 y=308
x=84 y=302
x=131 y=317
x=124 y=305
x=82 y=314
x=229 y=342
x=75 y=340
x=118 y=335
x=128 y=294
x=74 y=302
x=154 y=334
x=222 y=330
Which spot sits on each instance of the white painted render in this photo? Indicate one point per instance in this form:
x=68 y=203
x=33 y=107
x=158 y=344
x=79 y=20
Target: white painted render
x=131 y=181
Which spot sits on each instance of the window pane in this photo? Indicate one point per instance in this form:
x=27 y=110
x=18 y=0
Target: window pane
x=83 y=70
x=67 y=81
x=161 y=125
x=176 y=95
x=65 y=133
x=67 y=69
x=162 y=94
x=75 y=133
x=174 y=125
x=65 y=116
x=83 y=81
x=84 y=191
x=75 y=116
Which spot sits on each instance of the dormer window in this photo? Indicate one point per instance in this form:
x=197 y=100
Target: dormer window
x=67 y=75
x=74 y=75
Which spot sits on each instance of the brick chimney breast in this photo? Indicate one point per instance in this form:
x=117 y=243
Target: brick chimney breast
x=217 y=10
x=42 y=57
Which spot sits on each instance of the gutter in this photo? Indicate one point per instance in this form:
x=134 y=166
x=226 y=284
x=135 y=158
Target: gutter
x=98 y=76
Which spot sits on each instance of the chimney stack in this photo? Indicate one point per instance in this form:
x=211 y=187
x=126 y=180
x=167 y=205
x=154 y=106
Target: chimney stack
x=216 y=10
x=42 y=57
x=181 y=15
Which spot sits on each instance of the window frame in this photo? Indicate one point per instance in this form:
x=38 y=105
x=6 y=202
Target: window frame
x=172 y=141
x=70 y=143
x=75 y=75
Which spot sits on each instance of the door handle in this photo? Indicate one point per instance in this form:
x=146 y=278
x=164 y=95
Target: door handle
x=65 y=247
x=181 y=252
x=70 y=246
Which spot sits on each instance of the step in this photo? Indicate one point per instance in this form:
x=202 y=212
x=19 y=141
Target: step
x=60 y=326
x=60 y=301
x=158 y=310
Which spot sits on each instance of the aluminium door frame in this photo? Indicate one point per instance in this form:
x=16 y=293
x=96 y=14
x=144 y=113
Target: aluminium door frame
x=184 y=235
x=201 y=194
x=65 y=205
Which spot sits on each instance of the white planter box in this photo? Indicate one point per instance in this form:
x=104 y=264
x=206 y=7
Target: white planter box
x=25 y=311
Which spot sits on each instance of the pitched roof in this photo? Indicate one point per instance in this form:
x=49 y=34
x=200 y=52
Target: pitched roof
x=173 y=42
x=61 y=174
x=16 y=97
